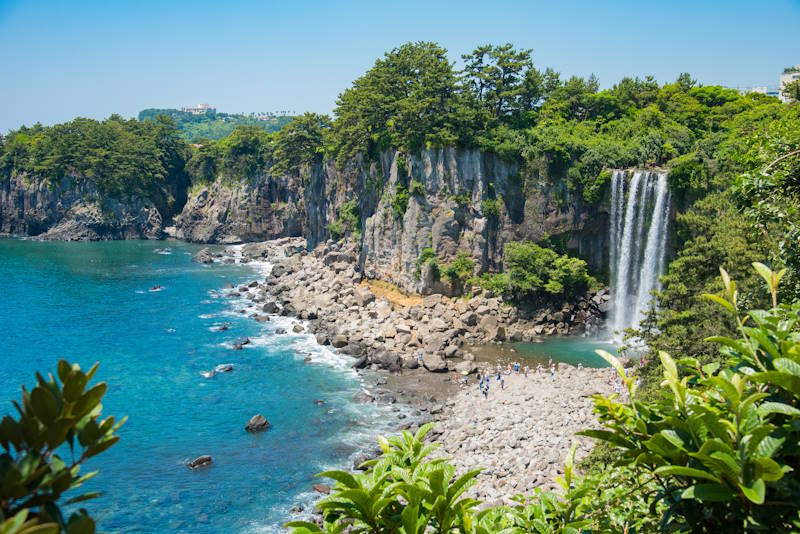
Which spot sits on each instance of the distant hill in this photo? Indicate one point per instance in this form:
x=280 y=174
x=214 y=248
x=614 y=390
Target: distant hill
x=213 y=125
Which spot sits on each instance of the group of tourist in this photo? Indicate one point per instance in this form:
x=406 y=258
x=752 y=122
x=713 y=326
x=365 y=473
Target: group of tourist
x=485 y=378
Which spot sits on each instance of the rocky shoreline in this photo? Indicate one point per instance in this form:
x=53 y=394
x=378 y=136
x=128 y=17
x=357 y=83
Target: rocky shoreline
x=519 y=435
x=325 y=288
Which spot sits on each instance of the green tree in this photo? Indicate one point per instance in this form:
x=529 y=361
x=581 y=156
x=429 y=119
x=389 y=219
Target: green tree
x=792 y=91
x=407 y=100
x=301 y=142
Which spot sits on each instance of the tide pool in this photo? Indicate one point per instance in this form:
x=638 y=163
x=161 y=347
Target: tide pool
x=88 y=302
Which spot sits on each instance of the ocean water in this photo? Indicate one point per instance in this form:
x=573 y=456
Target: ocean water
x=90 y=302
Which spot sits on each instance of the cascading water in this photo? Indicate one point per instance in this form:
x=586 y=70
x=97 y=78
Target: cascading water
x=637 y=243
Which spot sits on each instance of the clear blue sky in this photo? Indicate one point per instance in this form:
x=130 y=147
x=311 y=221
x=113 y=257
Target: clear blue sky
x=61 y=59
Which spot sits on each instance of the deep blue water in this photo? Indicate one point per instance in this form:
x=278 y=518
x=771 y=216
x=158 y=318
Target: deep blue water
x=90 y=302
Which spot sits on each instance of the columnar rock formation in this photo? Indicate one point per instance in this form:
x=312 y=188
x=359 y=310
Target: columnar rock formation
x=446 y=211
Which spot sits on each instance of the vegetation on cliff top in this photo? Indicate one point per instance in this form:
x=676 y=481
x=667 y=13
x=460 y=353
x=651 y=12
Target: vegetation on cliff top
x=213 y=125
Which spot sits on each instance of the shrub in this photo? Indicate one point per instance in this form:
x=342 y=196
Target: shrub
x=490 y=208
x=461 y=199
x=402 y=167
x=417 y=188
x=349 y=219
x=400 y=201
x=460 y=269
x=532 y=269
x=427 y=257
x=498 y=283
x=54 y=418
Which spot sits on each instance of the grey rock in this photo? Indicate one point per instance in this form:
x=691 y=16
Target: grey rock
x=258 y=423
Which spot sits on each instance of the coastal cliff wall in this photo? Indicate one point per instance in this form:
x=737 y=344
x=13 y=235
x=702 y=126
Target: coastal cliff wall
x=458 y=200
x=449 y=200
x=72 y=210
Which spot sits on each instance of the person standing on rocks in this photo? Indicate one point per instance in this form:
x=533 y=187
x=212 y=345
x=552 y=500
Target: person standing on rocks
x=502 y=383
x=552 y=371
x=526 y=371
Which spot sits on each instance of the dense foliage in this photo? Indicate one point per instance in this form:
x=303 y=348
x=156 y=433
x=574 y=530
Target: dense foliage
x=715 y=451
x=121 y=158
x=530 y=270
x=213 y=125
x=59 y=415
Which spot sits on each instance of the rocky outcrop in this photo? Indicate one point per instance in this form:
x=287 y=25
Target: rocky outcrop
x=73 y=210
x=247 y=210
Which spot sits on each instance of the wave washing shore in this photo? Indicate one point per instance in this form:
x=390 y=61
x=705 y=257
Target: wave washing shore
x=519 y=435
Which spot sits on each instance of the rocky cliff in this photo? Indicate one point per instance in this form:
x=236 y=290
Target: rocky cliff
x=450 y=196
x=72 y=210
x=457 y=200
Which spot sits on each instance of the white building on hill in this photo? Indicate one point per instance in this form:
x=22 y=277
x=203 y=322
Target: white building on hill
x=790 y=74
x=200 y=109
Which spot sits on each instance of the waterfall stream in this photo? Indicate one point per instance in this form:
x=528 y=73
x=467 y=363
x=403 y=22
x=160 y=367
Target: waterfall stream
x=637 y=243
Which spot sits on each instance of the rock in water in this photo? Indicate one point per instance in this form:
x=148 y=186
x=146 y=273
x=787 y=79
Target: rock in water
x=204 y=256
x=298 y=328
x=224 y=368
x=258 y=423
x=200 y=461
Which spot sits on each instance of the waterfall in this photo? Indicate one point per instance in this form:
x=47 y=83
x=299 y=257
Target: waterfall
x=637 y=243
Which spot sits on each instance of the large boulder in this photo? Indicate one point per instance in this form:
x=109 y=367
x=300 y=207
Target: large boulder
x=258 y=423
x=363 y=295
x=431 y=300
x=203 y=256
x=339 y=341
x=434 y=363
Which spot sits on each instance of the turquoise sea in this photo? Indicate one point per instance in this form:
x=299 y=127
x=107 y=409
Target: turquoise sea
x=90 y=302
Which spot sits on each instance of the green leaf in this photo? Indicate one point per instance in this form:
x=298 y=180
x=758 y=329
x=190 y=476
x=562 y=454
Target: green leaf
x=44 y=404
x=769 y=408
x=765 y=273
x=708 y=493
x=719 y=300
x=303 y=527
x=343 y=477
x=787 y=366
x=681 y=471
x=612 y=361
x=754 y=493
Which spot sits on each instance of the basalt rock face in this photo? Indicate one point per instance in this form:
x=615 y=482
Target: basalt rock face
x=451 y=213
x=72 y=210
x=447 y=210
x=254 y=209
